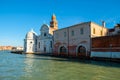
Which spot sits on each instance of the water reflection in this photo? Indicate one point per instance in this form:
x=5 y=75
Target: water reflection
x=29 y=64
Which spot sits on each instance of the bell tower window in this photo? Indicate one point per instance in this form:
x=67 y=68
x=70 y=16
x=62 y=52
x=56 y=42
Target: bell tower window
x=53 y=23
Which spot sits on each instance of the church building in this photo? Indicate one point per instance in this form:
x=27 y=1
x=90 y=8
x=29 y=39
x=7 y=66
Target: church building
x=42 y=43
x=79 y=40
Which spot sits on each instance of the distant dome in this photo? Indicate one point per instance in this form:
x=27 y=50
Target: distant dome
x=117 y=26
x=31 y=34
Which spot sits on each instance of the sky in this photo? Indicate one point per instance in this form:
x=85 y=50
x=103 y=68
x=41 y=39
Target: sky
x=17 y=17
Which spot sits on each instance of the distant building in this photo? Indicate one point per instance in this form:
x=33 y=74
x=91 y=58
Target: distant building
x=115 y=30
x=18 y=48
x=42 y=43
x=6 y=47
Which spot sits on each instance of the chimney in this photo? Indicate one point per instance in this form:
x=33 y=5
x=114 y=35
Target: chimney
x=103 y=23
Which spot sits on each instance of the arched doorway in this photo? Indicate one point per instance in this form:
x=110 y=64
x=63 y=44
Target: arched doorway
x=81 y=51
x=63 y=50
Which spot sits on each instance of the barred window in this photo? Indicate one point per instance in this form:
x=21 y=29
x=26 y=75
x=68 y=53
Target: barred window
x=72 y=33
x=81 y=31
x=64 y=34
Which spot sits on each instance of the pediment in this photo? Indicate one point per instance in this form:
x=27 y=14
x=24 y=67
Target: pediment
x=44 y=27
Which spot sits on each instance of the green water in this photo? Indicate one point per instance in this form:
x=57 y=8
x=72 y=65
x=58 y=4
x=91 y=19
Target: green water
x=32 y=67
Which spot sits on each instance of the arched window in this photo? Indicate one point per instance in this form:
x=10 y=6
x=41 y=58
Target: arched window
x=44 y=49
x=51 y=44
x=44 y=34
x=39 y=44
x=35 y=41
x=63 y=49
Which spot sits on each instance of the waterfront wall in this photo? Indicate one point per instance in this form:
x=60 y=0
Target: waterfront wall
x=105 y=54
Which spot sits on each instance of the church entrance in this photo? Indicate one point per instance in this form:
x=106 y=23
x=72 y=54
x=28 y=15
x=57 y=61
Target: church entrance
x=81 y=51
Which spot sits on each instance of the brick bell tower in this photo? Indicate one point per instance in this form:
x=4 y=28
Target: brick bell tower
x=53 y=24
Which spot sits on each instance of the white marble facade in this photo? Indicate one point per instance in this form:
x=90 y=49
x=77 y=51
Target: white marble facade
x=45 y=40
x=30 y=42
x=42 y=43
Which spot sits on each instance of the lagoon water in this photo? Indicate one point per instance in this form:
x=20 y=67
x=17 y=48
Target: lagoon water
x=34 y=67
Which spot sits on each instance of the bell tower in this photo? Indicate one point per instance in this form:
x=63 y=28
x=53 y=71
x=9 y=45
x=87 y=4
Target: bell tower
x=53 y=22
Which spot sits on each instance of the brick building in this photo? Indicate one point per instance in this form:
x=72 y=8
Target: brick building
x=106 y=43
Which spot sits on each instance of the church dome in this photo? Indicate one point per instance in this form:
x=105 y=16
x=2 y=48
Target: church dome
x=31 y=34
x=117 y=26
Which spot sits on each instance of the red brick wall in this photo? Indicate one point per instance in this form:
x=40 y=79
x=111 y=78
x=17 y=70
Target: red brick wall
x=71 y=50
x=103 y=43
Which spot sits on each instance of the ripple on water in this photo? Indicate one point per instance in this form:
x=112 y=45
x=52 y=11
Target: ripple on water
x=31 y=67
